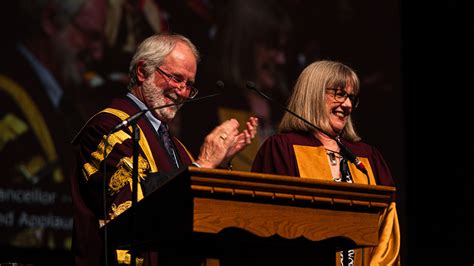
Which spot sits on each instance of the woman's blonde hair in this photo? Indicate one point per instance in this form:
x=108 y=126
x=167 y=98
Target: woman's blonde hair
x=308 y=97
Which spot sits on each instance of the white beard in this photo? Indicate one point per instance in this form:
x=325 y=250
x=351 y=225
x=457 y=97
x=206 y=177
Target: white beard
x=155 y=97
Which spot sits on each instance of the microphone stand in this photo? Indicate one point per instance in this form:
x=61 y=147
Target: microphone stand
x=135 y=139
x=132 y=121
x=139 y=114
x=344 y=150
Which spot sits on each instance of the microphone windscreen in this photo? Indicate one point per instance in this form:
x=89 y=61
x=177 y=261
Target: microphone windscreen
x=220 y=84
x=251 y=85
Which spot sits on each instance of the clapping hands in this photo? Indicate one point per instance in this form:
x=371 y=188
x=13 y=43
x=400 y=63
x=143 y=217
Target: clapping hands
x=225 y=141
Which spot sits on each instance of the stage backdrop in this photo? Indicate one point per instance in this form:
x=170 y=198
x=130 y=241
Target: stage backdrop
x=267 y=42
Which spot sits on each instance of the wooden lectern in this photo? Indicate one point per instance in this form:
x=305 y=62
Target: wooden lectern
x=232 y=215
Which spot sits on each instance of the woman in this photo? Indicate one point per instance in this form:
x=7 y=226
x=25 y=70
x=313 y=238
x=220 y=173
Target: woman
x=325 y=94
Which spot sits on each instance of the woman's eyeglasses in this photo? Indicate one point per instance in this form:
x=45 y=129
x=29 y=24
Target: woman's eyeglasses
x=341 y=96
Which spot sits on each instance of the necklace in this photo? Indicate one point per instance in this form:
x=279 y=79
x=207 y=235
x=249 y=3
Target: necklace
x=333 y=156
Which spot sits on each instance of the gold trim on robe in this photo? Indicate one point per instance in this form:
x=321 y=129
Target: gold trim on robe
x=117 y=179
x=313 y=163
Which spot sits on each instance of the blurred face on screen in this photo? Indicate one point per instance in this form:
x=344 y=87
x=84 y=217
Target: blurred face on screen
x=269 y=62
x=80 y=43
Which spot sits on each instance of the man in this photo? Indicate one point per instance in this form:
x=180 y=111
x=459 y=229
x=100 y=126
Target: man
x=41 y=69
x=162 y=72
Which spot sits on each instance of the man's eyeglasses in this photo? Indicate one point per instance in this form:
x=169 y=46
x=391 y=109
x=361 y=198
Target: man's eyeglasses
x=341 y=96
x=188 y=85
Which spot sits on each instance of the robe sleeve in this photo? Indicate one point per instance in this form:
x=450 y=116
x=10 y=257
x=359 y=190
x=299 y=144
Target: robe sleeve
x=276 y=156
x=118 y=161
x=387 y=252
x=381 y=170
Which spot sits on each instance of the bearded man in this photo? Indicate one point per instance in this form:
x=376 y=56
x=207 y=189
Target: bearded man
x=162 y=72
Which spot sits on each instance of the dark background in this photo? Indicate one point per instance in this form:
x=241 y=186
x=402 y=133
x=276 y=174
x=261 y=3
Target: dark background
x=416 y=60
x=437 y=74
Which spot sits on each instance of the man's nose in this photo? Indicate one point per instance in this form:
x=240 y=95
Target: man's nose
x=181 y=90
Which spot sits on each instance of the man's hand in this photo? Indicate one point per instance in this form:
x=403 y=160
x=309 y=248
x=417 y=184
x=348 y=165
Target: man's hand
x=225 y=141
x=243 y=139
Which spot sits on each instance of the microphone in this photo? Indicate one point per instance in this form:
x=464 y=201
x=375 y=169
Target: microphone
x=220 y=85
x=346 y=152
x=138 y=115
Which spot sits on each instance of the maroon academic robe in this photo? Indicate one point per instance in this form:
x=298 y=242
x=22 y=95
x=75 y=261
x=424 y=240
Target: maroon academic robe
x=301 y=154
x=88 y=180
